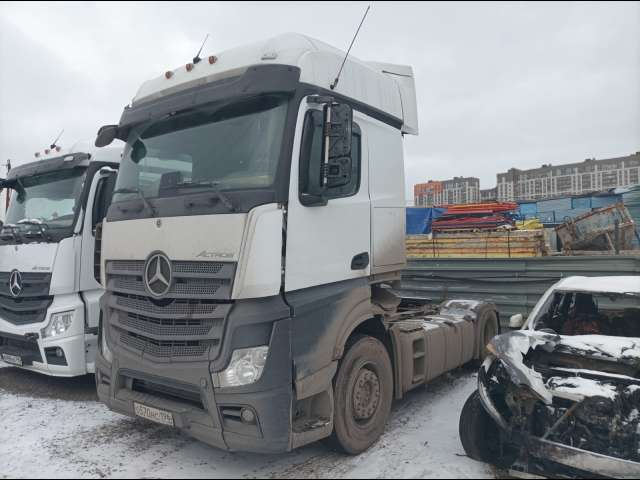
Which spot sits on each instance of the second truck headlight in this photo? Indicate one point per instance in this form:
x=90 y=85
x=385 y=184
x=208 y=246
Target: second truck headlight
x=245 y=368
x=59 y=324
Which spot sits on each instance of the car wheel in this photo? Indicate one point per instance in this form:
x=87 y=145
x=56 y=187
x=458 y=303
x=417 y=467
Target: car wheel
x=479 y=433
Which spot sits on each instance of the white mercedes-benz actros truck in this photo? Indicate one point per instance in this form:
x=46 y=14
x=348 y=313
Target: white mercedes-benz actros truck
x=49 y=259
x=249 y=255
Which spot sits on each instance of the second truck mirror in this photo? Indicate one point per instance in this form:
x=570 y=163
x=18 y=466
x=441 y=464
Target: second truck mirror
x=106 y=135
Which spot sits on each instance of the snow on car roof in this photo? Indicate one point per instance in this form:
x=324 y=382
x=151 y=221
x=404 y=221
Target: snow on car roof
x=600 y=284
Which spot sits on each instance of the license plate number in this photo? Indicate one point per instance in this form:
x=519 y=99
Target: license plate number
x=12 y=359
x=153 y=414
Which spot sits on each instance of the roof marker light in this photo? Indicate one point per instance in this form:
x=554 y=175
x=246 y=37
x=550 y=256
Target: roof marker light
x=213 y=59
x=58 y=148
x=168 y=74
x=37 y=154
x=47 y=151
x=189 y=67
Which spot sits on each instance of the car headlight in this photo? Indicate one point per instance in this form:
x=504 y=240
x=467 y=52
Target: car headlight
x=59 y=324
x=245 y=368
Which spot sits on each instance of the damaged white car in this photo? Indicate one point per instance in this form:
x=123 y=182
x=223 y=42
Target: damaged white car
x=561 y=396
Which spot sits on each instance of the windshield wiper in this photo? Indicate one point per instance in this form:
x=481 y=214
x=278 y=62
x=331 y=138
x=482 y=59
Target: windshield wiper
x=42 y=227
x=216 y=189
x=137 y=191
x=11 y=228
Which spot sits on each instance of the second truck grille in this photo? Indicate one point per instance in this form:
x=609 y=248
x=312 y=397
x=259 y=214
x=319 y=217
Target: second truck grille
x=31 y=305
x=185 y=325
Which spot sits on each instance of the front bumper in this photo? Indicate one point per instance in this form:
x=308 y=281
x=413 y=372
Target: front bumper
x=579 y=460
x=198 y=408
x=37 y=353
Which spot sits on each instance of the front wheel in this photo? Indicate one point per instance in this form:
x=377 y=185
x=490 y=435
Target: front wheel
x=363 y=392
x=480 y=435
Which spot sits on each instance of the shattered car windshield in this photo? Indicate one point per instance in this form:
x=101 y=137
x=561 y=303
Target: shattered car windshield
x=579 y=313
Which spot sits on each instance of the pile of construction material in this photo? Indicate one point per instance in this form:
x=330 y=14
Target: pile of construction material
x=476 y=217
x=475 y=244
x=487 y=230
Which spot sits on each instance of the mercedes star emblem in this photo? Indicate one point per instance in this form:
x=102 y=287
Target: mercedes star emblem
x=157 y=275
x=15 y=283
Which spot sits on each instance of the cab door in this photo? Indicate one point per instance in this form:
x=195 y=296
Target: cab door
x=327 y=240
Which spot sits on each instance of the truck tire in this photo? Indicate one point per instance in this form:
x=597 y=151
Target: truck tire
x=363 y=394
x=479 y=434
x=488 y=323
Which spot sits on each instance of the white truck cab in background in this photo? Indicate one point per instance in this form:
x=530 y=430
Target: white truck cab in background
x=49 y=259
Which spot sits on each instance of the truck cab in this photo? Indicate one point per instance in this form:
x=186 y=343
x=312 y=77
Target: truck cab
x=256 y=231
x=49 y=260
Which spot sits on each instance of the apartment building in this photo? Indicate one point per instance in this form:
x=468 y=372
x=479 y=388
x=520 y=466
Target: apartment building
x=572 y=179
x=458 y=190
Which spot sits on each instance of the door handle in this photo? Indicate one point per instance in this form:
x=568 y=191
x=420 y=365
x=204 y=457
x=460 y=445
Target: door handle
x=360 y=261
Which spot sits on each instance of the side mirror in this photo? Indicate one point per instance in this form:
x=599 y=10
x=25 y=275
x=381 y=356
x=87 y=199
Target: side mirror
x=336 y=150
x=517 y=321
x=106 y=135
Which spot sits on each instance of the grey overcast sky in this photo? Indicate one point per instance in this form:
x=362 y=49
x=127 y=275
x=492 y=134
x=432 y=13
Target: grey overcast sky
x=499 y=84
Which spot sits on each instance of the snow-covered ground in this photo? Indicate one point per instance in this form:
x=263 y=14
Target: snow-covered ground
x=47 y=434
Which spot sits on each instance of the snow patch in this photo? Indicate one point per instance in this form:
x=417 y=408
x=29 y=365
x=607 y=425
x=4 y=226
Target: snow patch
x=577 y=388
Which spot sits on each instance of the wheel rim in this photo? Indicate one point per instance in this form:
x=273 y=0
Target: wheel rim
x=365 y=398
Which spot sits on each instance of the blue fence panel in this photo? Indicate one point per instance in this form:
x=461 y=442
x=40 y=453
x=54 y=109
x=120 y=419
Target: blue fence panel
x=605 y=201
x=582 y=203
x=556 y=204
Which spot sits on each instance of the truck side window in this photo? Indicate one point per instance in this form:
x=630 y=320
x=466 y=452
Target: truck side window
x=311 y=159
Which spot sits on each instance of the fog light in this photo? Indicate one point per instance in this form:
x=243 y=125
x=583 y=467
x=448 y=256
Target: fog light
x=247 y=415
x=59 y=352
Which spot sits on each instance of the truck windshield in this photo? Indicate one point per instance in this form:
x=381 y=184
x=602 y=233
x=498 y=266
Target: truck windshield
x=49 y=199
x=233 y=145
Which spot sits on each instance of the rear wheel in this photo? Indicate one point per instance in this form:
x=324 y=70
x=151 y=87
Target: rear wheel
x=363 y=393
x=479 y=433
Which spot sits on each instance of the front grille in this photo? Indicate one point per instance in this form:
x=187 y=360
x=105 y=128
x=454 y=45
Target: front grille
x=32 y=303
x=166 y=348
x=187 y=324
x=169 y=327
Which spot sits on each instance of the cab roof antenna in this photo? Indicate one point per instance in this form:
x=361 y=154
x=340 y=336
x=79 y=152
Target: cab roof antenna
x=335 y=82
x=197 y=58
x=55 y=142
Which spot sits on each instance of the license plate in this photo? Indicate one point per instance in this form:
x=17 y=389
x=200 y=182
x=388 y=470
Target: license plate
x=153 y=414
x=12 y=359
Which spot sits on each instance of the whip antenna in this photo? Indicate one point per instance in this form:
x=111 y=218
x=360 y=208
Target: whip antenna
x=335 y=82
x=197 y=58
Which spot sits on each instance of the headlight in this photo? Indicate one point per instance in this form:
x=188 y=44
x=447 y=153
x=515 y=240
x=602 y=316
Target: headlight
x=106 y=353
x=246 y=367
x=60 y=323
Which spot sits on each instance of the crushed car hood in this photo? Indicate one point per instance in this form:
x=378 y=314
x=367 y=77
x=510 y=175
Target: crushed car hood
x=512 y=348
